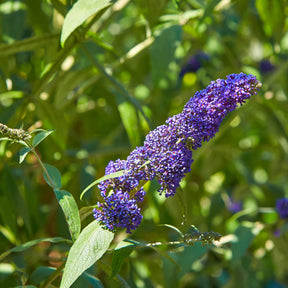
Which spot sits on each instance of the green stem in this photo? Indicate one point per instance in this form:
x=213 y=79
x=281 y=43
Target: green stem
x=55 y=274
x=41 y=164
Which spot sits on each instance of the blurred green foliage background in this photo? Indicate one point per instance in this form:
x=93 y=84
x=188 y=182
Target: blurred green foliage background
x=119 y=75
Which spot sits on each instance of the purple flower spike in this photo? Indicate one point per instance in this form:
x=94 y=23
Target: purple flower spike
x=119 y=211
x=167 y=151
x=170 y=158
x=282 y=207
x=203 y=114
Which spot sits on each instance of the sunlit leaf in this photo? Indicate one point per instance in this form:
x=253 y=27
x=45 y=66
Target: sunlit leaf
x=40 y=137
x=79 y=13
x=70 y=209
x=89 y=247
x=23 y=153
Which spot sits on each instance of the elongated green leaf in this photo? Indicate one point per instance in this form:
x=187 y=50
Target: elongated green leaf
x=55 y=176
x=122 y=251
x=70 y=209
x=25 y=246
x=129 y=119
x=40 y=137
x=91 y=244
x=110 y=176
x=273 y=16
x=23 y=153
x=161 y=58
x=41 y=274
x=94 y=281
x=79 y=13
x=245 y=234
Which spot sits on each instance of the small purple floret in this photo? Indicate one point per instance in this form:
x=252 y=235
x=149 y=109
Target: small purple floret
x=166 y=154
x=119 y=211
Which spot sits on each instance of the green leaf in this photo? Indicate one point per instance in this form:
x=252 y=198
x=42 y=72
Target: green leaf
x=41 y=274
x=129 y=119
x=40 y=137
x=91 y=244
x=161 y=58
x=70 y=209
x=94 y=281
x=122 y=251
x=110 y=176
x=23 y=153
x=55 y=176
x=245 y=234
x=272 y=14
x=27 y=245
x=79 y=13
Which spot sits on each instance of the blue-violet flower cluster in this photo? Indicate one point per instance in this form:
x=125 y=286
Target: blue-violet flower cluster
x=166 y=154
